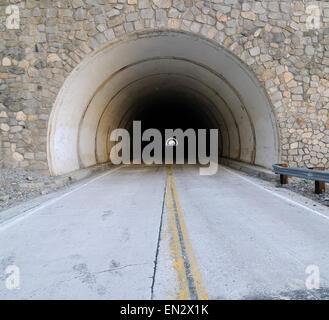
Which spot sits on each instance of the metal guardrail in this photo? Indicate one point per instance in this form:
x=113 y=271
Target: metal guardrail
x=309 y=174
x=319 y=175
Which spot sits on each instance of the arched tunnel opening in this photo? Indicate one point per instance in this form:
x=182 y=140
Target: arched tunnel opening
x=166 y=80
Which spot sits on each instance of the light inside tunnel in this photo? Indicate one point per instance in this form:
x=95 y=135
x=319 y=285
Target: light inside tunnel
x=166 y=80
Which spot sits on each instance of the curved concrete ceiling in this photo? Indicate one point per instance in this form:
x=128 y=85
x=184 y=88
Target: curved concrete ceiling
x=102 y=93
x=142 y=88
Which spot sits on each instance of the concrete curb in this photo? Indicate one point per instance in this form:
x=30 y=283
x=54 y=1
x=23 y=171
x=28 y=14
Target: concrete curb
x=252 y=170
x=78 y=175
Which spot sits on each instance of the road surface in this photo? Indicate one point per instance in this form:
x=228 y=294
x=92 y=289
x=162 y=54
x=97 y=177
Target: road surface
x=157 y=232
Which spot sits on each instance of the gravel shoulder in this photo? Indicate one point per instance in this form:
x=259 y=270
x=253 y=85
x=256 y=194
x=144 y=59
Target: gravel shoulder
x=306 y=189
x=19 y=185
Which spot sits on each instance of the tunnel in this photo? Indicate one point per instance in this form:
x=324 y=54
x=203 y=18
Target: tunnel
x=165 y=79
x=169 y=108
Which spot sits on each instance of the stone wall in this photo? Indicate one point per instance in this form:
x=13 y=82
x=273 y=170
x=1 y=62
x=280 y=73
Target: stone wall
x=285 y=44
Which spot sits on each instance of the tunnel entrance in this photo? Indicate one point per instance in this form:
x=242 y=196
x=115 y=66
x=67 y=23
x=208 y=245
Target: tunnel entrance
x=166 y=79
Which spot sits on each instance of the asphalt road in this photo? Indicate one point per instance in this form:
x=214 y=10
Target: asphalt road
x=156 y=232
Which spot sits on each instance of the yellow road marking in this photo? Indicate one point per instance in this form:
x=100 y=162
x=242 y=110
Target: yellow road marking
x=188 y=273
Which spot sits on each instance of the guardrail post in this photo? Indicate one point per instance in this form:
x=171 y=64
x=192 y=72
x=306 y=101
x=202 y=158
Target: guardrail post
x=320 y=187
x=283 y=177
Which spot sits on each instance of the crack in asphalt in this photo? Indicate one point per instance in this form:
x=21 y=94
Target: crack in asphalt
x=83 y=275
x=159 y=237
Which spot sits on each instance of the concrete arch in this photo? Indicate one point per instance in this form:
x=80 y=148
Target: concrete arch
x=100 y=90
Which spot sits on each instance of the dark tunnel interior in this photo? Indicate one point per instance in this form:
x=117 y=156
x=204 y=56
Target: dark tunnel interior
x=163 y=110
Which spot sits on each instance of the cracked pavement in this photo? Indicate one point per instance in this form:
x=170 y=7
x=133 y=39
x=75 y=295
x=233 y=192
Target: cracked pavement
x=115 y=237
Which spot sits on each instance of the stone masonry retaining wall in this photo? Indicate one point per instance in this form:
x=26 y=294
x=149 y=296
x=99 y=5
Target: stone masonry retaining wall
x=285 y=43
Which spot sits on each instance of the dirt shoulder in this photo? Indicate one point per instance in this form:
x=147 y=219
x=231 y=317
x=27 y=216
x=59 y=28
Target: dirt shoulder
x=306 y=189
x=19 y=185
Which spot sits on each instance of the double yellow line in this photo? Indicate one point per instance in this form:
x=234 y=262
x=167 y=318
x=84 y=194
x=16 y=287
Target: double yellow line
x=187 y=270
